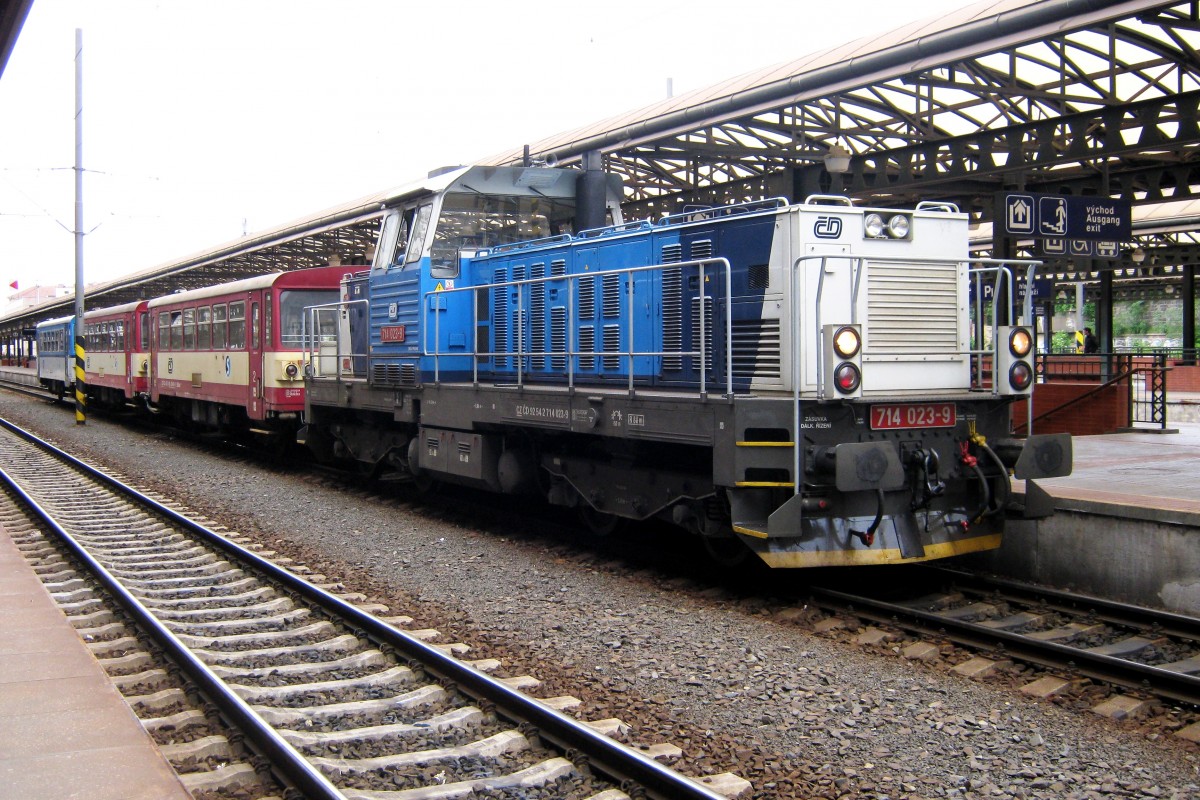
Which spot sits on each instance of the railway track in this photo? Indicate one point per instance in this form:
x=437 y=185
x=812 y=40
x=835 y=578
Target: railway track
x=1152 y=652
x=331 y=700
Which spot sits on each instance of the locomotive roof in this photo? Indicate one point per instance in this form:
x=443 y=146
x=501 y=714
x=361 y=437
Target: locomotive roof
x=301 y=278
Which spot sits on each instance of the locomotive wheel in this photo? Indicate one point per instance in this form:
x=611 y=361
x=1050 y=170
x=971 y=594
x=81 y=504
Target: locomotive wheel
x=425 y=484
x=599 y=523
x=726 y=551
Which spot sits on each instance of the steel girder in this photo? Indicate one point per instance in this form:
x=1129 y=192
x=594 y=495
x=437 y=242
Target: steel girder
x=1104 y=109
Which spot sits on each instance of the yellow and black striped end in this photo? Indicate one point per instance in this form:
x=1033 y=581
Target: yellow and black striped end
x=80 y=382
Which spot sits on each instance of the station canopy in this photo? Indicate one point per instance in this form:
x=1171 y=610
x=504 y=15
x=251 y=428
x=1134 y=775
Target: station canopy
x=1078 y=97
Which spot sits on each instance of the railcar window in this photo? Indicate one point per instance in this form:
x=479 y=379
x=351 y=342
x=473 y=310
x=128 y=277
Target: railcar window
x=164 y=330
x=176 y=330
x=254 y=325
x=203 y=328
x=189 y=329
x=119 y=336
x=218 y=330
x=293 y=322
x=473 y=221
x=144 y=324
x=267 y=318
x=237 y=325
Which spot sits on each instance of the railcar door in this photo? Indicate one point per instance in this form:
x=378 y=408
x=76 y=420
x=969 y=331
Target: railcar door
x=128 y=344
x=254 y=344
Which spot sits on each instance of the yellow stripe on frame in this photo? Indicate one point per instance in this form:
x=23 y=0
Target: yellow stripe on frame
x=765 y=444
x=862 y=558
x=749 y=532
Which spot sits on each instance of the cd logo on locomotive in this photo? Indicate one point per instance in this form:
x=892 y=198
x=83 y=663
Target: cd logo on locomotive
x=828 y=228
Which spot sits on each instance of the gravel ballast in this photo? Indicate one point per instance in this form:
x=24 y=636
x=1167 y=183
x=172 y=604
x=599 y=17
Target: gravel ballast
x=738 y=686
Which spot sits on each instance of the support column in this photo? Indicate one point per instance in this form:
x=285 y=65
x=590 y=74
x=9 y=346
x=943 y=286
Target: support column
x=1104 y=322
x=1189 y=314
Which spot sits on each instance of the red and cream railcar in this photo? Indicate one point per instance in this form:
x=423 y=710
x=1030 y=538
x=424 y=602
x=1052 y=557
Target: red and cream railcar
x=117 y=344
x=231 y=357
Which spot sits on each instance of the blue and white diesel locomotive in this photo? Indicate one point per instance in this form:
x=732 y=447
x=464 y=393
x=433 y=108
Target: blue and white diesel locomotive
x=797 y=380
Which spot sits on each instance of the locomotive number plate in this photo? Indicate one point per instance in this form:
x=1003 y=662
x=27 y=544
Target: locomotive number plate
x=914 y=415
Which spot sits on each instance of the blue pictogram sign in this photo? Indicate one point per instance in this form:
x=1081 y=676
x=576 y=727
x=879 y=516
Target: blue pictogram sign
x=1065 y=216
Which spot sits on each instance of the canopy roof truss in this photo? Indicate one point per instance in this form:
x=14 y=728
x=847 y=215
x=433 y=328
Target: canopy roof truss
x=1109 y=107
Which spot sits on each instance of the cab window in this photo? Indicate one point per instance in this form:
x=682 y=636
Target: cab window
x=416 y=240
x=164 y=330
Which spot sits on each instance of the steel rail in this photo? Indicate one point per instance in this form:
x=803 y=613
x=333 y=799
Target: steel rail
x=1164 y=683
x=603 y=754
x=285 y=760
x=1109 y=611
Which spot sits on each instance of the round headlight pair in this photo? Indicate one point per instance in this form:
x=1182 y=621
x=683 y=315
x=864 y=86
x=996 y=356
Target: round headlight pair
x=896 y=227
x=291 y=370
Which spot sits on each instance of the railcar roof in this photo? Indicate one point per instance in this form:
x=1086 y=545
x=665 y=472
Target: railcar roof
x=112 y=310
x=293 y=279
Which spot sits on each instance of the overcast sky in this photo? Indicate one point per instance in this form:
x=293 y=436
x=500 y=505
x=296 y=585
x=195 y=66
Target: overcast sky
x=207 y=118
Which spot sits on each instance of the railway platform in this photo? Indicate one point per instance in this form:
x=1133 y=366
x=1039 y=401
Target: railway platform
x=65 y=730
x=1126 y=523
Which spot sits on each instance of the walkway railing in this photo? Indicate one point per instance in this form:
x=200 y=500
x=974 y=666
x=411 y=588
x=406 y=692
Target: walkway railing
x=1144 y=375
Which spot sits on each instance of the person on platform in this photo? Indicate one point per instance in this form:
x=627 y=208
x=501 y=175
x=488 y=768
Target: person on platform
x=1090 y=343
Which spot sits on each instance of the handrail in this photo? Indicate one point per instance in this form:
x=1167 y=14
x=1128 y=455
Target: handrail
x=1154 y=383
x=1124 y=376
x=571 y=353
x=312 y=336
x=712 y=212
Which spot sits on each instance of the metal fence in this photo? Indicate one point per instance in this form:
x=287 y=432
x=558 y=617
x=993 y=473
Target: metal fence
x=1143 y=375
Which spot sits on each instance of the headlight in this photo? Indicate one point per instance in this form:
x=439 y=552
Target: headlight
x=898 y=226
x=291 y=370
x=873 y=225
x=1020 y=342
x=846 y=342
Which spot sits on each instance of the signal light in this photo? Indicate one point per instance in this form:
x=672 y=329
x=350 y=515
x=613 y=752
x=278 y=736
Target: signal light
x=1014 y=360
x=842 y=361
